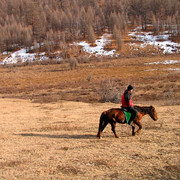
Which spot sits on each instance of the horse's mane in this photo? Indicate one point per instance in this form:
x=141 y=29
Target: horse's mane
x=143 y=109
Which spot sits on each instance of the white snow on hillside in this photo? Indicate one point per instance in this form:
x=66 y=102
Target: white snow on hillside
x=146 y=38
x=22 y=56
x=165 y=62
x=159 y=41
x=168 y=69
x=98 y=50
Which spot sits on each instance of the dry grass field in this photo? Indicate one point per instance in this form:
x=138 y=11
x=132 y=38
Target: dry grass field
x=50 y=114
x=93 y=80
x=58 y=141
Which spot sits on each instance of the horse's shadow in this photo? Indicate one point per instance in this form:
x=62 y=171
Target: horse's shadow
x=62 y=136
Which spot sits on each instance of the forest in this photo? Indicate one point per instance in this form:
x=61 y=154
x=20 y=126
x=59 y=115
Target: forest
x=53 y=23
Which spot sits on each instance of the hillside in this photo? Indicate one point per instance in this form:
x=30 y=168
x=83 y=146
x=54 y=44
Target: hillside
x=154 y=78
x=54 y=23
x=136 y=43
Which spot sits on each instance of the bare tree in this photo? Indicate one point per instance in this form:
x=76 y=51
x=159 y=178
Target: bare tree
x=117 y=37
x=91 y=35
x=76 y=19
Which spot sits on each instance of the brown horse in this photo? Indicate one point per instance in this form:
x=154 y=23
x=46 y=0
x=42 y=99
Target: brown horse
x=117 y=115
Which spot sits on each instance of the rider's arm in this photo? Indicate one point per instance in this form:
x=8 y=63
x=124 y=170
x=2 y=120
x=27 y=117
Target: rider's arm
x=127 y=98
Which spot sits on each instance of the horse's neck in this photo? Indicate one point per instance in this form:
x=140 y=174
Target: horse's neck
x=143 y=110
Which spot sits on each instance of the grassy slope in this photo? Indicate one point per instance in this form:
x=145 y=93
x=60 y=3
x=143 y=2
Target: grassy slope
x=89 y=82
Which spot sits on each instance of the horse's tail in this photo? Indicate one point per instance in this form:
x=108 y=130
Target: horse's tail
x=101 y=124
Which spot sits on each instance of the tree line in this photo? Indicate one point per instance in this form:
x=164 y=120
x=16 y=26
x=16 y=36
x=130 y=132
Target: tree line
x=53 y=23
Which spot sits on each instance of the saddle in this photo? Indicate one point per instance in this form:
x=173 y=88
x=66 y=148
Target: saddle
x=127 y=114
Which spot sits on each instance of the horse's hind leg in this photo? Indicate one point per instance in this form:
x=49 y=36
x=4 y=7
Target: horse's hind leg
x=101 y=129
x=101 y=122
x=113 y=125
x=102 y=125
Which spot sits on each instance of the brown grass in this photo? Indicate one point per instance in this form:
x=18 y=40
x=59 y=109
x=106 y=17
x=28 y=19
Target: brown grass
x=58 y=141
x=51 y=134
x=98 y=80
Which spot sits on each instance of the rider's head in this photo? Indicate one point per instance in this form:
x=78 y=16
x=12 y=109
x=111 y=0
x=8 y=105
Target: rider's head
x=130 y=88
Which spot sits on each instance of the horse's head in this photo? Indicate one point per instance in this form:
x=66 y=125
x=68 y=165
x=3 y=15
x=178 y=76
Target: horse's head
x=153 y=113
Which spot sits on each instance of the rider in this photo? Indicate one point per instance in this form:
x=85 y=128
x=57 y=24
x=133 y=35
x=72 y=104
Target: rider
x=128 y=104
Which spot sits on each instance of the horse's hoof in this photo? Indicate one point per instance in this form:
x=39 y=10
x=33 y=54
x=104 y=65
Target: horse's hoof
x=98 y=136
x=133 y=134
x=117 y=136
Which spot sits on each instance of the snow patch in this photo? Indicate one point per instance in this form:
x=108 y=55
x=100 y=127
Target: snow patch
x=22 y=56
x=169 y=69
x=173 y=69
x=165 y=62
x=151 y=70
x=146 y=38
x=159 y=41
x=98 y=50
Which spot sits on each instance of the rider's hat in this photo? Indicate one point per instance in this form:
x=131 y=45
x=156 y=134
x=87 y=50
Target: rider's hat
x=129 y=88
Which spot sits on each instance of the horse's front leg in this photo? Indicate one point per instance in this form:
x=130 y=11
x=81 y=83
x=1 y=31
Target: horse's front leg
x=133 y=130
x=139 y=125
x=113 y=125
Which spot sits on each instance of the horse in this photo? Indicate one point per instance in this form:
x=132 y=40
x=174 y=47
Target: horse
x=115 y=115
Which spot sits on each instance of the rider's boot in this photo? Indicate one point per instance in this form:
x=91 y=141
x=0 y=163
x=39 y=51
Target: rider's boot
x=130 y=122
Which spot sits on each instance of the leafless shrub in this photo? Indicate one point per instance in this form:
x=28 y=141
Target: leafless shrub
x=89 y=77
x=73 y=63
x=108 y=91
x=83 y=59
